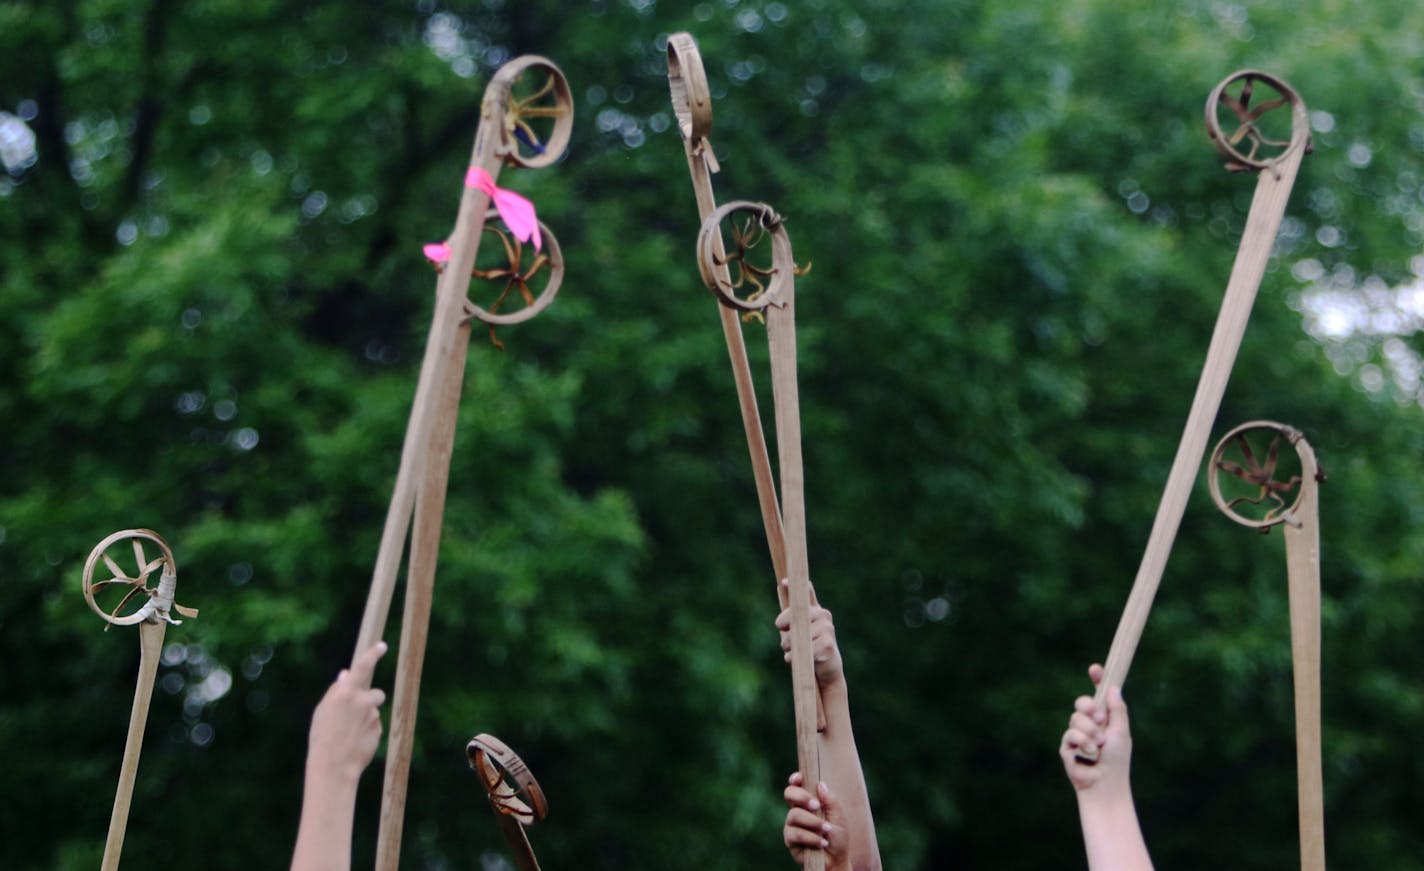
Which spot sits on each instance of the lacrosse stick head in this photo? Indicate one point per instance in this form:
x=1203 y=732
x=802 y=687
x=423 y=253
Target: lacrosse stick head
x=1244 y=121
x=519 y=275
x=1254 y=482
x=536 y=108
x=691 y=100
x=511 y=787
x=747 y=264
x=128 y=599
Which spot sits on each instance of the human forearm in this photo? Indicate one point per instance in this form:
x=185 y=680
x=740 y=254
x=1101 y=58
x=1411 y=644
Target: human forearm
x=840 y=767
x=1111 y=834
x=324 y=834
x=345 y=730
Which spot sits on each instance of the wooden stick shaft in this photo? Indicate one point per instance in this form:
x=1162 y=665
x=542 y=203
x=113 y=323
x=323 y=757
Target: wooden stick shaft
x=1263 y=222
x=742 y=374
x=781 y=334
x=150 y=641
x=518 y=840
x=1303 y=566
x=383 y=578
x=450 y=298
x=429 y=440
x=771 y=518
x=419 y=596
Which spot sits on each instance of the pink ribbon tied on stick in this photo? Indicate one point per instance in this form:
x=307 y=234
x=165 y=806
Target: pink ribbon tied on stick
x=516 y=211
x=437 y=252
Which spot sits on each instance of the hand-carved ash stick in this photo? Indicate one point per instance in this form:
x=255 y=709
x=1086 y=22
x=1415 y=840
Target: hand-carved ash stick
x=514 y=794
x=152 y=617
x=505 y=136
x=1301 y=521
x=776 y=300
x=692 y=104
x=1276 y=175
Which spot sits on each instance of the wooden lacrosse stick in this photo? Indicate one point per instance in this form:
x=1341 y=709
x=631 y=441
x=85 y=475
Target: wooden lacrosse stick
x=1275 y=176
x=514 y=794
x=775 y=299
x=692 y=104
x=152 y=616
x=1301 y=522
x=525 y=120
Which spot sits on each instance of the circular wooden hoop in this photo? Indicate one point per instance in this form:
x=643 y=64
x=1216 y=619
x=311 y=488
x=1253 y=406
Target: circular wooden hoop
x=1300 y=121
x=501 y=86
x=1308 y=471
x=691 y=99
x=170 y=568
x=782 y=263
x=545 y=297
x=495 y=764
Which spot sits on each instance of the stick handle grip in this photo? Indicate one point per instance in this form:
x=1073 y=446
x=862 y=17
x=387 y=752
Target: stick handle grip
x=150 y=648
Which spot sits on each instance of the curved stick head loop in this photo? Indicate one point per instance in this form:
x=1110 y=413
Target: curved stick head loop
x=751 y=222
x=151 y=604
x=1251 y=452
x=1266 y=145
x=691 y=99
x=511 y=787
x=537 y=108
x=515 y=275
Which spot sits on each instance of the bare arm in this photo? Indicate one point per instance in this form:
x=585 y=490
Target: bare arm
x=345 y=731
x=1111 y=834
x=840 y=760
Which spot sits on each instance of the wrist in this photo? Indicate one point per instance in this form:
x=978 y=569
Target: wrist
x=335 y=775
x=834 y=687
x=1105 y=799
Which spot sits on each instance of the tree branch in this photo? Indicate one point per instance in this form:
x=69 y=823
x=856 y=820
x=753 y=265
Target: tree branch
x=148 y=110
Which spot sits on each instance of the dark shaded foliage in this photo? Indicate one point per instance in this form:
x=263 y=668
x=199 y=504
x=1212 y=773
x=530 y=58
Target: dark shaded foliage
x=214 y=308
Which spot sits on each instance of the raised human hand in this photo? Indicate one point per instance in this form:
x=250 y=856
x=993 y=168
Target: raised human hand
x=1103 y=727
x=346 y=725
x=825 y=653
x=815 y=822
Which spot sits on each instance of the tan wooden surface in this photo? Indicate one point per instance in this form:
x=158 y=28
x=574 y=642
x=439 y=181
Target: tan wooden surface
x=1303 y=566
x=776 y=301
x=152 y=615
x=1273 y=186
x=1301 y=524
x=692 y=105
x=150 y=641
x=423 y=474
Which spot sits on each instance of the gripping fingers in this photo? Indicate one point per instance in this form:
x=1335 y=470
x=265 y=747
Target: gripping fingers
x=1088 y=707
x=807 y=821
x=1075 y=739
x=797 y=798
x=805 y=829
x=823 y=629
x=1087 y=725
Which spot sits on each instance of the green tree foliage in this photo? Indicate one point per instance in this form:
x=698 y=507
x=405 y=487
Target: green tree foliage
x=214 y=306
